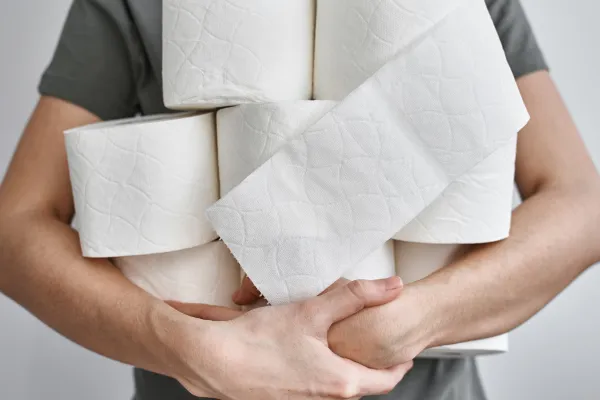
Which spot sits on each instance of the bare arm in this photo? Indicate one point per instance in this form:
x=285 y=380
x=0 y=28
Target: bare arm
x=554 y=237
x=274 y=353
x=554 y=234
x=41 y=266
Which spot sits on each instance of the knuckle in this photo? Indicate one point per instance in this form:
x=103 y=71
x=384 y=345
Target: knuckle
x=308 y=313
x=358 y=289
x=344 y=388
x=388 y=388
x=305 y=310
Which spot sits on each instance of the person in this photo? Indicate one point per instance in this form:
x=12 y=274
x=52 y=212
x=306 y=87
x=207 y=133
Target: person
x=357 y=339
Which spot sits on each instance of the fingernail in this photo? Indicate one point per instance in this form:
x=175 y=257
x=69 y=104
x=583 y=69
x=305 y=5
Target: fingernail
x=393 y=283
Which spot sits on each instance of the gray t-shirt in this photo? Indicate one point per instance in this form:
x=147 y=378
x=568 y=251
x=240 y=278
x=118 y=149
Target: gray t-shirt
x=108 y=61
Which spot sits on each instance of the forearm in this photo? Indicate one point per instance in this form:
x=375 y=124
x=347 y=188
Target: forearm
x=88 y=301
x=496 y=287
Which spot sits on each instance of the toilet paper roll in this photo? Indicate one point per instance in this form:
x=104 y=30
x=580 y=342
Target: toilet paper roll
x=220 y=53
x=142 y=185
x=415 y=261
x=354 y=39
x=476 y=208
x=248 y=135
x=206 y=274
x=378 y=265
x=343 y=187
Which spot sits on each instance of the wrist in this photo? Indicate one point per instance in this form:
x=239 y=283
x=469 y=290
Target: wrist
x=416 y=320
x=438 y=315
x=172 y=336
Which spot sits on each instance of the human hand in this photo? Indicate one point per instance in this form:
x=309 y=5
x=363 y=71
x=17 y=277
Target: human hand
x=384 y=336
x=377 y=337
x=282 y=351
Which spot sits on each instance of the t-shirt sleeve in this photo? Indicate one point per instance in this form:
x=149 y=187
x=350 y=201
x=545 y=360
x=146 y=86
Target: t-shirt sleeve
x=520 y=45
x=92 y=66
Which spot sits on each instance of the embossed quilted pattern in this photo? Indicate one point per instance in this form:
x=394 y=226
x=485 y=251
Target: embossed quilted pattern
x=372 y=164
x=141 y=186
x=248 y=135
x=475 y=208
x=354 y=39
x=227 y=52
x=206 y=274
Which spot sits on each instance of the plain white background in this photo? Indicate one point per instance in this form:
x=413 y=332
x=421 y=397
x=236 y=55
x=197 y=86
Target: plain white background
x=555 y=356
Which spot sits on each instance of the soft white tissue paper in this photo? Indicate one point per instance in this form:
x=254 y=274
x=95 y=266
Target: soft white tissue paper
x=415 y=261
x=142 y=185
x=476 y=208
x=484 y=347
x=248 y=135
x=219 y=53
x=354 y=38
x=206 y=274
x=378 y=265
x=346 y=185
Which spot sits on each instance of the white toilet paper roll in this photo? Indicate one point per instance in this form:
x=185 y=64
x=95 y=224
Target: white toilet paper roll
x=355 y=38
x=219 y=53
x=206 y=274
x=141 y=185
x=476 y=208
x=415 y=261
x=250 y=134
x=378 y=265
x=346 y=185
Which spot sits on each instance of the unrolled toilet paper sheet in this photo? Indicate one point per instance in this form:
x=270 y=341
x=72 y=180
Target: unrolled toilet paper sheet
x=206 y=274
x=476 y=208
x=220 y=53
x=354 y=38
x=361 y=173
x=250 y=134
x=142 y=185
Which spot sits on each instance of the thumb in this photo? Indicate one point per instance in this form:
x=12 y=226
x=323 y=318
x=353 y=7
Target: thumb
x=205 y=311
x=340 y=282
x=345 y=301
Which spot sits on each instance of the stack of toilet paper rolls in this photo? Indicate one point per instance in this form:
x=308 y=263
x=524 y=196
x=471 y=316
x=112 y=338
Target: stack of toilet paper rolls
x=253 y=74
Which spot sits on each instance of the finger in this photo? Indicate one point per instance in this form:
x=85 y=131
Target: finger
x=349 y=299
x=247 y=293
x=335 y=285
x=377 y=382
x=206 y=311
